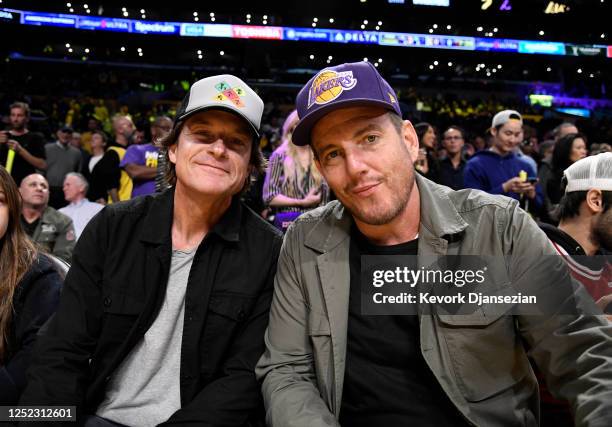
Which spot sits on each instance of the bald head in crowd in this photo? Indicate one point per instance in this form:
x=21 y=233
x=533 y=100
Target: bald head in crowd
x=34 y=190
x=50 y=229
x=160 y=128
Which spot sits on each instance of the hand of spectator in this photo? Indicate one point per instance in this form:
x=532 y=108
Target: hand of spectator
x=313 y=198
x=603 y=302
x=515 y=185
x=531 y=192
x=4 y=137
x=14 y=145
x=421 y=163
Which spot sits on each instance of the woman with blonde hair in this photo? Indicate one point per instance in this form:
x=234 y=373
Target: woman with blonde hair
x=293 y=185
x=29 y=293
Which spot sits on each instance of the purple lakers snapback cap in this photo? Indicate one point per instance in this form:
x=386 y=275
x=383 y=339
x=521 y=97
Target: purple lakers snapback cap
x=346 y=85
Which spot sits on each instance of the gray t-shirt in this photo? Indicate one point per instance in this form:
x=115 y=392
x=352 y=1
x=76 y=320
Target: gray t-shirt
x=145 y=390
x=60 y=161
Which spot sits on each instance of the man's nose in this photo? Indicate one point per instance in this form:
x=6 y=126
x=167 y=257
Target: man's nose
x=218 y=148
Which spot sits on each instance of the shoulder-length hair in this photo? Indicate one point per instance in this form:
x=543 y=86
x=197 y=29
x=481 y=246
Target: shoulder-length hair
x=293 y=171
x=562 y=151
x=17 y=254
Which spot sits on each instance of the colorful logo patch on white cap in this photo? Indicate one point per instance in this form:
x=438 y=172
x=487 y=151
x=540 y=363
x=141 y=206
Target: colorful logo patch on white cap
x=226 y=92
x=328 y=85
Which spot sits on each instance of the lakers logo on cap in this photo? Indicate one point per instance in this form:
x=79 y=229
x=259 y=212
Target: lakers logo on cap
x=328 y=85
x=229 y=93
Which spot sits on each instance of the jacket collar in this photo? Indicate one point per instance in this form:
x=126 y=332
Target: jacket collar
x=438 y=215
x=158 y=220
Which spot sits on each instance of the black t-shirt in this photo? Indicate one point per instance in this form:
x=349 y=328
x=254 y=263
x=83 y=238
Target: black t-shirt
x=31 y=141
x=387 y=382
x=450 y=176
x=105 y=176
x=109 y=169
x=29 y=227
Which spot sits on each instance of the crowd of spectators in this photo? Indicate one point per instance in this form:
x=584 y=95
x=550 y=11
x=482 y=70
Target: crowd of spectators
x=93 y=154
x=112 y=149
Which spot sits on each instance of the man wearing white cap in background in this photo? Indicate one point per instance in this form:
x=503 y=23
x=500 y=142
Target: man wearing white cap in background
x=163 y=311
x=584 y=239
x=584 y=235
x=499 y=170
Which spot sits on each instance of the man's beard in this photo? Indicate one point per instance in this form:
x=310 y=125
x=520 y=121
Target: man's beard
x=602 y=231
x=399 y=202
x=18 y=127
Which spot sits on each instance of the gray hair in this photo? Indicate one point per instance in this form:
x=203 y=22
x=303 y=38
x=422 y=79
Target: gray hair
x=81 y=178
x=557 y=130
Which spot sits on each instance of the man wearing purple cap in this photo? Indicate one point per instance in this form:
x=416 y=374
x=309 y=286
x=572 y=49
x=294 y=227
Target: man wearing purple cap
x=329 y=362
x=163 y=312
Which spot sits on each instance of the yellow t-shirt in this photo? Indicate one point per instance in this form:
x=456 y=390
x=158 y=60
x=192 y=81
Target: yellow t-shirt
x=125 y=182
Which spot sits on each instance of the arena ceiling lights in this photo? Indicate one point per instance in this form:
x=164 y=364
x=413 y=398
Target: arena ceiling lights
x=381 y=38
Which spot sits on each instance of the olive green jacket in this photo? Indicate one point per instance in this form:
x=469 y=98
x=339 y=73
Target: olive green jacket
x=480 y=360
x=55 y=234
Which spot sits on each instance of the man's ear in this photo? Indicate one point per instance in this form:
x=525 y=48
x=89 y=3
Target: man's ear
x=410 y=139
x=594 y=200
x=172 y=152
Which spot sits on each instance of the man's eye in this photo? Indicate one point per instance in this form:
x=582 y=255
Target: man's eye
x=238 y=142
x=371 y=138
x=331 y=155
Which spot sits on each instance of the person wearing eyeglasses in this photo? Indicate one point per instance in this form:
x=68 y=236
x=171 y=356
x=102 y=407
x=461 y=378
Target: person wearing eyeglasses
x=451 y=167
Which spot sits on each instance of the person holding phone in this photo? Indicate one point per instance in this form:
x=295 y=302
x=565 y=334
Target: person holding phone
x=498 y=170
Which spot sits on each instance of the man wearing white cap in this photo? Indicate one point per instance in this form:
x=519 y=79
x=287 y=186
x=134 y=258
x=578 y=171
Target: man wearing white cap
x=584 y=235
x=164 y=309
x=499 y=170
x=584 y=240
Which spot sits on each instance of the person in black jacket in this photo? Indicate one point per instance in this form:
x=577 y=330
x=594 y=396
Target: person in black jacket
x=29 y=293
x=164 y=309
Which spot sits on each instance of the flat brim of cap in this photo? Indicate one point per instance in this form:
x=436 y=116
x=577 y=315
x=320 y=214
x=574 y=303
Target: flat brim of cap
x=229 y=109
x=301 y=134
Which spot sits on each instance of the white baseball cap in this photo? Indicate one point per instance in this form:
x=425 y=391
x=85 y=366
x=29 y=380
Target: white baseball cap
x=225 y=92
x=505 y=116
x=593 y=172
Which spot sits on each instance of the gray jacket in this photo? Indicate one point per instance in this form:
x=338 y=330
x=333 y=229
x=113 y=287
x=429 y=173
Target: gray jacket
x=480 y=360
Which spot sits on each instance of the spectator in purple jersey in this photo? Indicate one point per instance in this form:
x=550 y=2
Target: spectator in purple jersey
x=140 y=161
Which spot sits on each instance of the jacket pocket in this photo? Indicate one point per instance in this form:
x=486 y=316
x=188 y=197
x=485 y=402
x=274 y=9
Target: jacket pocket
x=226 y=315
x=120 y=312
x=117 y=303
x=484 y=350
x=230 y=306
x=319 y=333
